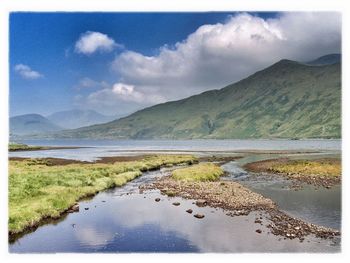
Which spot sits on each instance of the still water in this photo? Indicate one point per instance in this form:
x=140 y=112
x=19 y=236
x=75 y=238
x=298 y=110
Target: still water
x=320 y=206
x=94 y=149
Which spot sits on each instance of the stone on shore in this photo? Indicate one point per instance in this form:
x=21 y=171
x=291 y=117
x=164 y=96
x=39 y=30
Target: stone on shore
x=74 y=208
x=201 y=203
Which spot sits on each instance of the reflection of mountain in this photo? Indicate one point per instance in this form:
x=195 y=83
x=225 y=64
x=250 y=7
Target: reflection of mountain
x=286 y=100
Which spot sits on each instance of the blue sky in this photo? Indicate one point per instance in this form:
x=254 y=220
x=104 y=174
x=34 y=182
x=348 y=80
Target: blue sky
x=117 y=63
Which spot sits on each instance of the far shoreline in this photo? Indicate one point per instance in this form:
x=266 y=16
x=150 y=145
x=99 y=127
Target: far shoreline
x=48 y=148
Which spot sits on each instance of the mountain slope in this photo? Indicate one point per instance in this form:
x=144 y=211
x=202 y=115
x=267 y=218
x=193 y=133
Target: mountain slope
x=72 y=119
x=326 y=60
x=286 y=100
x=31 y=124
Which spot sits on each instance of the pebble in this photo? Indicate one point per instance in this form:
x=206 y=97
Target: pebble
x=201 y=203
x=199 y=216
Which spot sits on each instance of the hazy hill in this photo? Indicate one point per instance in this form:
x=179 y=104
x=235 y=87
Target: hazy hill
x=286 y=100
x=31 y=124
x=326 y=60
x=72 y=119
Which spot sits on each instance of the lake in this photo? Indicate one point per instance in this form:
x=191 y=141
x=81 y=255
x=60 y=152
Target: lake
x=103 y=148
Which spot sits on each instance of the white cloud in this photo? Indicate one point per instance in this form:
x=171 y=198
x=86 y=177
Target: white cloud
x=220 y=54
x=26 y=72
x=119 y=98
x=90 y=83
x=121 y=91
x=91 y=42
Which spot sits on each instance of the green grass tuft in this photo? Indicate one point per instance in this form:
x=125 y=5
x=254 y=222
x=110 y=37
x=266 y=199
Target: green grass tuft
x=199 y=172
x=22 y=147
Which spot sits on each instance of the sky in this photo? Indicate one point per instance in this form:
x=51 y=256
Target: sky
x=118 y=63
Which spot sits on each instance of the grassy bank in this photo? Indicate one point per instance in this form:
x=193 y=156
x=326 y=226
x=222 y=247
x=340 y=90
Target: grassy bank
x=331 y=168
x=38 y=189
x=325 y=172
x=23 y=147
x=198 y=173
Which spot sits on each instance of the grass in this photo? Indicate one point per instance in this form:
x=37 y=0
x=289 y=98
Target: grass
x=38 y=190
x=22 y=147
x=329 y=168
x=198 y=173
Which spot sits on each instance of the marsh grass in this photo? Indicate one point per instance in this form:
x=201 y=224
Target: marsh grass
x=198 y=173
x=38 y=190
x=328 y=168
x=22 y=147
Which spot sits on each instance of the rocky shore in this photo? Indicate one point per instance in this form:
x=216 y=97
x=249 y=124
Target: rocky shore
x=238 y=200
x=226 y=195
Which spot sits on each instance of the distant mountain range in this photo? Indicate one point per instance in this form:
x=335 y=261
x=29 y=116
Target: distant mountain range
x=326 y=60
x=29 y=124
x=286 y=100
x=72 y=119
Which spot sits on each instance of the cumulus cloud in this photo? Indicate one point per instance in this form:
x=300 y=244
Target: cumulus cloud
x=219 y=54
x=26 y=72
x=125 y=92
x=91 y=42
x=119 y=98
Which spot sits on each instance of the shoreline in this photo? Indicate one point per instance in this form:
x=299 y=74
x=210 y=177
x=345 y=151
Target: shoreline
x=47 y=148
x=218 y=194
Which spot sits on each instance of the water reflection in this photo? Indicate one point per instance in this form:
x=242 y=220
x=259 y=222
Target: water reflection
x=136 y=223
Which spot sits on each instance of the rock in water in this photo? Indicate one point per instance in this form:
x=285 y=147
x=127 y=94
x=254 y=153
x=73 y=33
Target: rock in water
x=74 y=208
x=189 y=211
x=176 y=203
x=258 y=231
x=157 y=199
x=199 y=216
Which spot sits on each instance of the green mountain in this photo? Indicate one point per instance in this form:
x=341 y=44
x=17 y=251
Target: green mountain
x=286 y=100
x=31 y=124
